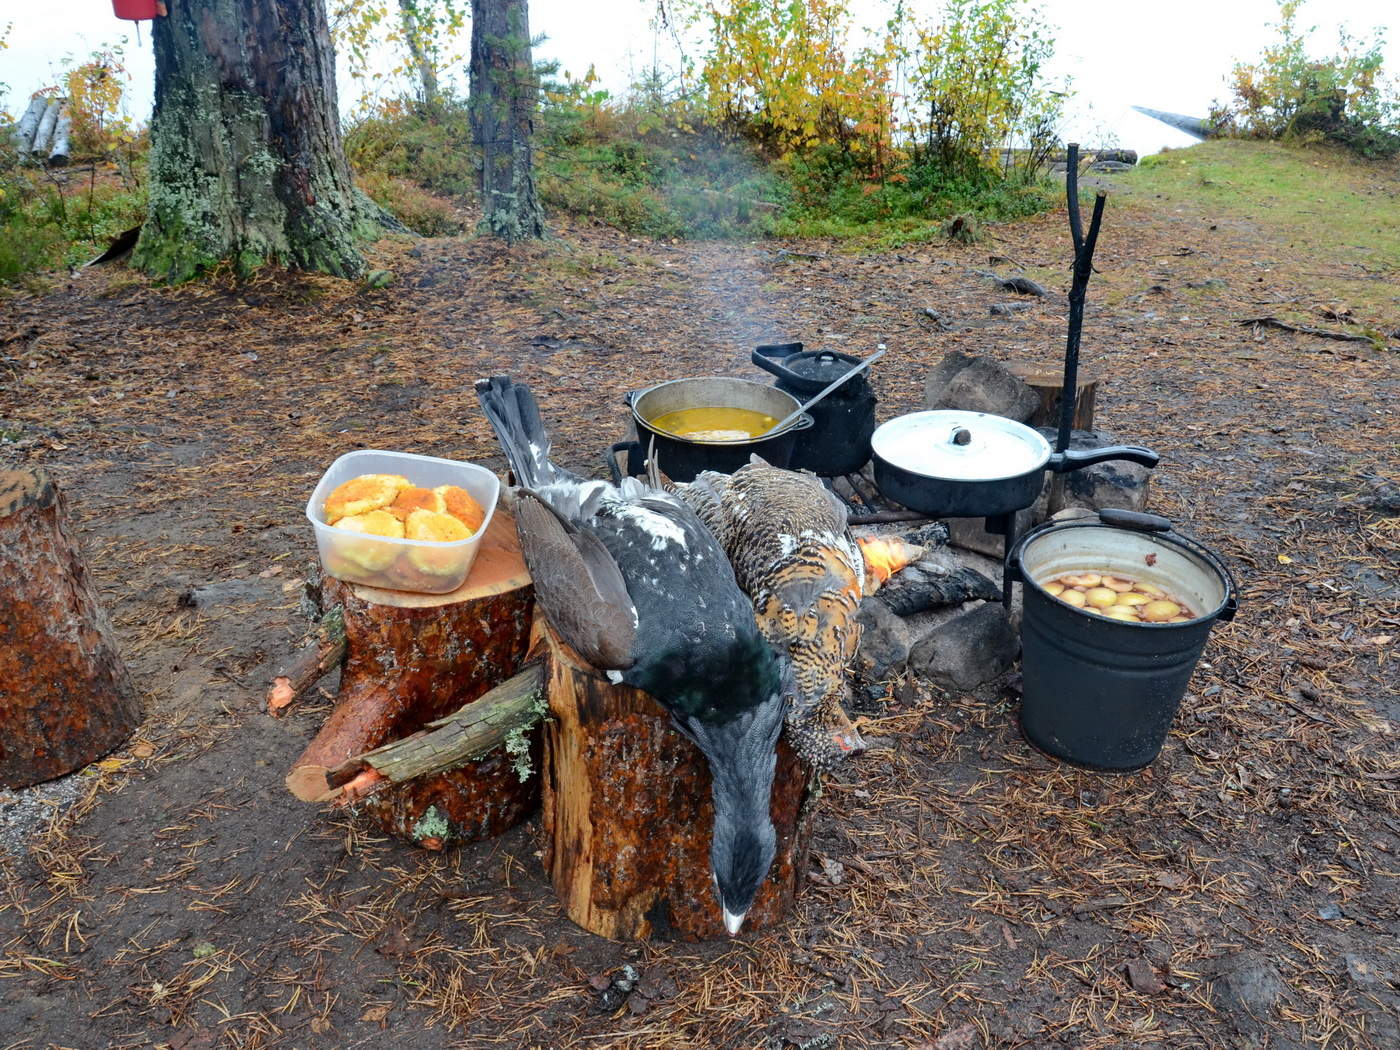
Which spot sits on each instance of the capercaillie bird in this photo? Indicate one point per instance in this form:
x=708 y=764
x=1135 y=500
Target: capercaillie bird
x=794 y=556
x=630 y=577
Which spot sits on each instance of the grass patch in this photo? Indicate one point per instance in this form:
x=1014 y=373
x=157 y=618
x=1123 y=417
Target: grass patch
x=46 y=224
x=1318 y=199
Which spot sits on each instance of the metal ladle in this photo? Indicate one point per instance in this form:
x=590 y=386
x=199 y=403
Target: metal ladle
x=824 y=391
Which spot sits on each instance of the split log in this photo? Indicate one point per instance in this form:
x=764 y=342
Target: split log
x=58 y=148
x=628 y=818
x=412 y=659
x=46 y=126
x=65 y=695
x=469 y=734
x=28 y=125
x=1049 y=387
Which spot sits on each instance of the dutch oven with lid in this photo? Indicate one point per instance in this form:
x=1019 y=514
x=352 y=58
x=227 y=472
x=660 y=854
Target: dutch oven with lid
x=842 y=422
x=950 y=463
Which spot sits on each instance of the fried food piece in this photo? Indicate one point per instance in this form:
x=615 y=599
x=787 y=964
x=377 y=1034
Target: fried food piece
x=461 y=505
x=413 y=498
x=440 y=528
x=368 y=554
x=363 y=494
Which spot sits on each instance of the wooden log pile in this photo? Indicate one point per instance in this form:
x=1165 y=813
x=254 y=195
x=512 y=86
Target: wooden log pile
x=44 y=129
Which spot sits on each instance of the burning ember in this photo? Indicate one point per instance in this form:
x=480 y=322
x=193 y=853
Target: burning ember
x=885 y=556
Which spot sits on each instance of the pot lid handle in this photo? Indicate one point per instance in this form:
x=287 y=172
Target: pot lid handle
x=961 y=436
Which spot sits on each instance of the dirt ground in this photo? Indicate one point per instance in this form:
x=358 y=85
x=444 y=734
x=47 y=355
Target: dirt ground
x=967 y=891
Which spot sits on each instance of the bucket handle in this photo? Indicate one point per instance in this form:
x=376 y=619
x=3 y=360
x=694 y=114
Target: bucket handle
x=1140 y=522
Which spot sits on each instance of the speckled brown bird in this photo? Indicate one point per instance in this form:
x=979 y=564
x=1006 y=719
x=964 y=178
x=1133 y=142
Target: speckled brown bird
x=795 y=558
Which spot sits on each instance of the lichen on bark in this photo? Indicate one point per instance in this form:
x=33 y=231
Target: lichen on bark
x=247 y=164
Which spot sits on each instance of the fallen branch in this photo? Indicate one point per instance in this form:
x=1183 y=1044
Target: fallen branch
x=469 y=733
x=1302 y=329
x=311 y=664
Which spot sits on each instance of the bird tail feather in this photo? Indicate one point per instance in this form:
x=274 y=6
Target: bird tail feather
x=515 y=417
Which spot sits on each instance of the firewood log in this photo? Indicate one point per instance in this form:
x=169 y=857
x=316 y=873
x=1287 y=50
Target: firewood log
x=65 y=695
x=627 y=814
x=1049 y=387
x=412 y=659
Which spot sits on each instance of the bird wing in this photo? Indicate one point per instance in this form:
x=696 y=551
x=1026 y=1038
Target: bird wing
x=578 y=585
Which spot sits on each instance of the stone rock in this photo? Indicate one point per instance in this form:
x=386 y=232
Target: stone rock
x=1120 y=156
x=885 y=641
x=1007 y=309
x=972 y=648
x=971 y=533
x=978 y=384
x=1117 y=483
x=1246 y=988
x=223 y=593
x=1107 y=166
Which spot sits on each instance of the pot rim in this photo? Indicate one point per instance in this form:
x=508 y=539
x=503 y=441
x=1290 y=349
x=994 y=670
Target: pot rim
x=1224 y=611
x=802 y=422
x=940 y=419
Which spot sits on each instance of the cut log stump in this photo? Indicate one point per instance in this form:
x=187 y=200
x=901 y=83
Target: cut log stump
x=65 y=695
x=1049 y=387
x=412 y=659
x=628 y=818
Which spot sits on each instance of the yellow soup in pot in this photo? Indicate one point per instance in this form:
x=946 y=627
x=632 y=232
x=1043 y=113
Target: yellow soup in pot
x=714 y=423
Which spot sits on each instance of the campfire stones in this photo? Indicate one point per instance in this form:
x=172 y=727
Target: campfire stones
x=969 y=650
x=1118 y=484
x=978 y=384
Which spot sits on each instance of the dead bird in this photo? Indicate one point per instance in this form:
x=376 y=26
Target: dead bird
x=794 y=556
x=632 y=579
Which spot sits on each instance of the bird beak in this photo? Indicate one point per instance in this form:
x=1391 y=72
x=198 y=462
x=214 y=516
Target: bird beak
x=733 y=922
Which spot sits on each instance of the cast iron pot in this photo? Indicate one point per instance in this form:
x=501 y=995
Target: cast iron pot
x=839 y=440
x=1103 y=693
x=681 y=459
x=956 y=464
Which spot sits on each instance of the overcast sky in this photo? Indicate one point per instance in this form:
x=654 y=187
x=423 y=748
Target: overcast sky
x=1170 y=56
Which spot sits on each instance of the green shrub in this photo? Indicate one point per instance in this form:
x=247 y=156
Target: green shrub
x=432 y=148
x=412 y=205
x=1342 y=99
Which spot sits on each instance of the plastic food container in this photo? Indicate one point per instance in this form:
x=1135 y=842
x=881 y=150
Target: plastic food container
x=401 y=565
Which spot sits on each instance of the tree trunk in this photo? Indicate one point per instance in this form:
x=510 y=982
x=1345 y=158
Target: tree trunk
x=628 y=816
x=65 y=696
x=504 y=92
x=246 y=158
x=413 y=37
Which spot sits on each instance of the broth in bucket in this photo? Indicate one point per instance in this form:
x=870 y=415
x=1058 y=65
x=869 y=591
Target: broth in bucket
x=715 y=423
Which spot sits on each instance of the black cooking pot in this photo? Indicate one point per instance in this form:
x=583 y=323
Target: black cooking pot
x=839 y=440
x=973 y=465
x=681 y=459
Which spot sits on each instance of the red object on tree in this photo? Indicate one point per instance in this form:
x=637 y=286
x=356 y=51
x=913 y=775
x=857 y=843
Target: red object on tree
x=137 y=10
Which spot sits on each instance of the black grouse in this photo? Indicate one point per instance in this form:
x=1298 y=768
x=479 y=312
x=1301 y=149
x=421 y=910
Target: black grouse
x=632 y=579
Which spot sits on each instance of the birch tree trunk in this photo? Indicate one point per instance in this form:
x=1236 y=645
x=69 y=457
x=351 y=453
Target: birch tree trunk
x=247 y=163
x=422 y=61
x=504 y=92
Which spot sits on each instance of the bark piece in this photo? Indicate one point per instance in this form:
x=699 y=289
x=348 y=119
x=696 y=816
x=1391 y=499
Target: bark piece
x=415 y=658
x=65 y=695
x=1049 y=387
x=627 y=814
x=311 y=665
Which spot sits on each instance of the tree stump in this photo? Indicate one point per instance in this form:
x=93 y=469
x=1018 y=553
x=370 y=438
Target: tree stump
x=1049 y=387
x=65 y=695
x=412 y=659
x=628 y=818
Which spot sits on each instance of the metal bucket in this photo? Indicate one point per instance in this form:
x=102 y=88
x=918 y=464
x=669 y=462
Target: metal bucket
x=1102 y=693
